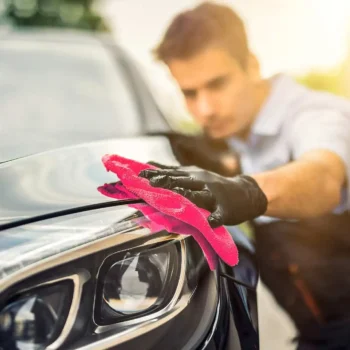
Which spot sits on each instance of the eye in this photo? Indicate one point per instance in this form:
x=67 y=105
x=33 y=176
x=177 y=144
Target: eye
x=218 y=83
x=189 y=94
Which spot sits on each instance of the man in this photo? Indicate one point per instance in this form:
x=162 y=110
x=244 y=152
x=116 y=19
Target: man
x=294 y=146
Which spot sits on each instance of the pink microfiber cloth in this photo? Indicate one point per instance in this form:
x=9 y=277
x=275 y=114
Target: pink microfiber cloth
x=158 y=221
x=173 y=205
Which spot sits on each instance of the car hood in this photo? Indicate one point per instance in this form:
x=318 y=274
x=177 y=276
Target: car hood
x=68 y=178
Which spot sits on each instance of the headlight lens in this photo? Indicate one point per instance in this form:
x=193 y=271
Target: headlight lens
x=35 y=318
x=135 y=284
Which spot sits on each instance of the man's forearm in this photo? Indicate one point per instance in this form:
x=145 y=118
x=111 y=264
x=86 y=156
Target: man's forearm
x=305 y=188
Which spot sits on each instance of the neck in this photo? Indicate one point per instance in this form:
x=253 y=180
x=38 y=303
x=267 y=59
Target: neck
x=262 y=93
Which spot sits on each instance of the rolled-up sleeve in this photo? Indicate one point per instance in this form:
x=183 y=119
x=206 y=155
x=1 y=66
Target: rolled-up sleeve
x=323 y=129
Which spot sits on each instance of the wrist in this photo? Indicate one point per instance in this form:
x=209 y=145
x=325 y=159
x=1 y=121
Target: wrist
x=256 y=196
x=270 y=186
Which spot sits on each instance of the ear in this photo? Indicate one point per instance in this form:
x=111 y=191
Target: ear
x=253 y=67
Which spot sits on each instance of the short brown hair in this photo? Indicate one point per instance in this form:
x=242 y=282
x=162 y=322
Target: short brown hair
x=208 y=23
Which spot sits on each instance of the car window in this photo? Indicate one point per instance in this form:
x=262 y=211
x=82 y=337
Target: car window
x=58 y=94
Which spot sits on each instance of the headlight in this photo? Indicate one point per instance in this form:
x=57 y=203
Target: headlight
x=128 y=283
x=41 y=317
x=138 y=282
x=135 y=283
x=35 y=318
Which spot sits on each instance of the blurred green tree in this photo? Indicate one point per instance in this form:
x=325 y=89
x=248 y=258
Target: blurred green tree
x=77 y=14
x=331 y=81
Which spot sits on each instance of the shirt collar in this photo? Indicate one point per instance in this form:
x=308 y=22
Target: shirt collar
x=271 y=115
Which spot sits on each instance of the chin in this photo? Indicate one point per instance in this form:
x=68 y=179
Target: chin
x=220 y=134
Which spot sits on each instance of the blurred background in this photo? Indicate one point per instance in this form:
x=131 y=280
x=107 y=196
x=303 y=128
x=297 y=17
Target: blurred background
x=309 y=40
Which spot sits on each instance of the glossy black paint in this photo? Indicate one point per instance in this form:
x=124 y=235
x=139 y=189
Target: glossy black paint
x=68 y=178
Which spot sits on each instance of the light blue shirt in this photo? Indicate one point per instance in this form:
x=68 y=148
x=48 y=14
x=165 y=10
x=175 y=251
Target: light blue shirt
x=293 y=121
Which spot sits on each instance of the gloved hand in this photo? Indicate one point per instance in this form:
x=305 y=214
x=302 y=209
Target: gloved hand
x=231 y=201
x=199 y=150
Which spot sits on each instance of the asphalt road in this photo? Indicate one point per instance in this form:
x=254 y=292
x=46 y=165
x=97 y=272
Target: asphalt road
x=275 y=327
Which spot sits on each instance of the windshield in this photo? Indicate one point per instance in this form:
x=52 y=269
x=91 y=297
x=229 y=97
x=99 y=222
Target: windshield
x=60 y=94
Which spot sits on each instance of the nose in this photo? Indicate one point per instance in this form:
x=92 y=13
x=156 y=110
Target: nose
x=204 y=107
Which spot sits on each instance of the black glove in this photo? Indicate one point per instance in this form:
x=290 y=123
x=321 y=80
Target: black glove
x=231 y=201
x=201 y=151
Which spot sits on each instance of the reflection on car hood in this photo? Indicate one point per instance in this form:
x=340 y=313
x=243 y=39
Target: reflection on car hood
x=28 y=244
x=68 y=178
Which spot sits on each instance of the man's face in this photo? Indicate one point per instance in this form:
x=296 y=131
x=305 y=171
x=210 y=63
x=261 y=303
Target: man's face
x=219 y=94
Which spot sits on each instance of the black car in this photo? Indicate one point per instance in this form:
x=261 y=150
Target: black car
x=65 y=87
x=77 y=269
